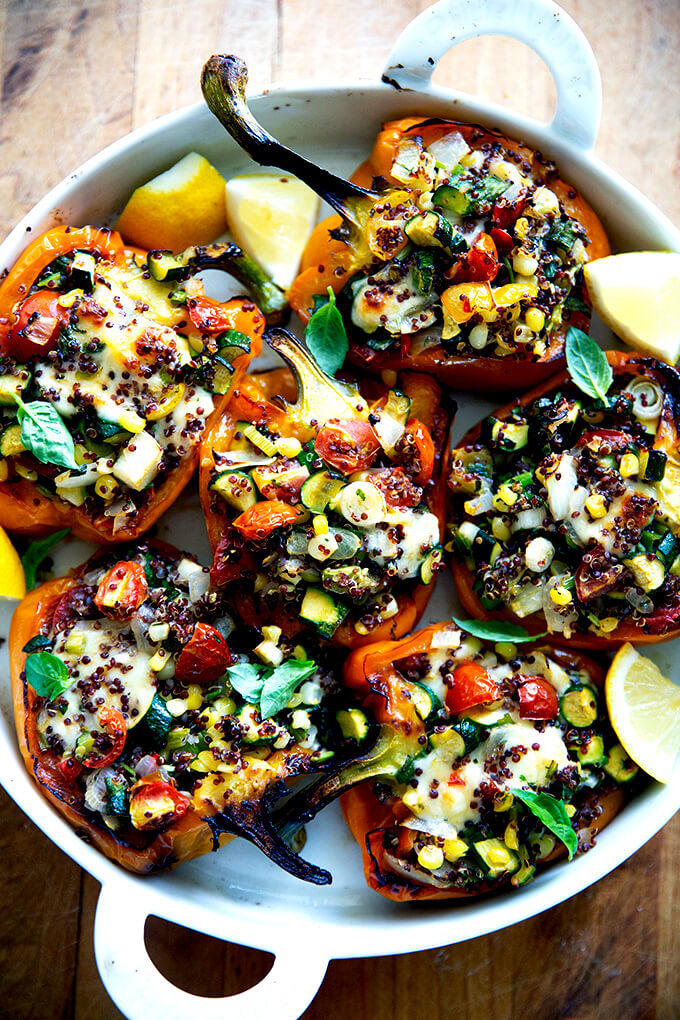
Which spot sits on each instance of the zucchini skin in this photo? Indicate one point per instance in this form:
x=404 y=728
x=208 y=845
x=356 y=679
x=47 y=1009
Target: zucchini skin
x=667 y=437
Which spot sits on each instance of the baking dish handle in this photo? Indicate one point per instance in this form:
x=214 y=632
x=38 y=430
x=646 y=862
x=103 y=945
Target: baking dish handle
x=142 y=993
x=541 y=24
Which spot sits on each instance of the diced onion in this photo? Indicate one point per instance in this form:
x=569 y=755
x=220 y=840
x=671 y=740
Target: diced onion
x=449 y=150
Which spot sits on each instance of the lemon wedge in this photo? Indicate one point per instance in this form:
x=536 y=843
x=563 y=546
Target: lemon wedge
x=12 y=573
x=271 y=217
x=183 y=206
x=638 y=295
x=644 y=709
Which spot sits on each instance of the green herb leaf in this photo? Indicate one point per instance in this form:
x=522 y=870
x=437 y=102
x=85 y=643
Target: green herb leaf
x=36 y=553
x=496 y=630
x=47 y=675
x=38 y=643
x=326 y=336
x=44 y=433
x=552 y=813
x=587 y=364
x=281 y=683
x=248 y=679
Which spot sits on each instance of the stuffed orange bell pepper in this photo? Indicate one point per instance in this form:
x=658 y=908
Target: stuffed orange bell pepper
x=327 y=512
x=567 y=509
x=154 y=728
x=111 y=365
x=489 y=763
x=467 y=264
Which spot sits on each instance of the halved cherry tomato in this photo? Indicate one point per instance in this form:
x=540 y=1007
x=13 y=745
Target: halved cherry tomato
x=505 y=212
x=204 y=657
x=260 y=520
x=471 y=686
x=455 y=779
x=116 y=730
x=347 y=445
x=480 y=263
x=396 y=486
x=156 y=803
x=210 y=316
x=417 y=451
x=122 y=590
x=613 y=438
x=537 y=700
x=502 y=239
x=39 y=319
x=70 y=769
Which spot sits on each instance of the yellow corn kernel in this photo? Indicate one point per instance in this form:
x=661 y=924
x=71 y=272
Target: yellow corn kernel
x=68 y=300
x=501 y=532
x=131 y=421
x=28 y=473
x=261 y=582
x=294 y=701
x=288 y=447
x=194 y=698
x=4 y=470
x=454 y=849
x=411 y=799
x=74 y=644
x=540 y=348
x=511 y=836
x=157 y=661
x=630 y=465
x=271 y=634
x=535 y=319
x=431 y=857
x=320 y=524
x=361 y=628
x=504 y=803
x=106 y=486
x=522 y=228
x=176 y=707
x=300 y=653
x=560 y=595
x=389 y=377
x=595 y=505
x=570 y=809
x=206 y=762
x=608 y=624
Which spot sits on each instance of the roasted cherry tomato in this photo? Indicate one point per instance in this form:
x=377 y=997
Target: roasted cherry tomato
x=260 y=520
x=39 y=321
x=480 y=263
x=347 y=445
x=116 y=730
x=70 y=769
x=155 y=803
x=613 y=438
x=471 y=686
x=537 y=700
x=502 y=239
x=205 y=656
x=417 y=451
x=506 y=212
x=122 y=590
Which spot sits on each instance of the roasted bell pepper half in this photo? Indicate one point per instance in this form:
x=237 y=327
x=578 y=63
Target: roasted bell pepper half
x=455 y=803
x=567 y=509
x=326 y=511
x=161 y=734
x=481 y=273
x=112 y=363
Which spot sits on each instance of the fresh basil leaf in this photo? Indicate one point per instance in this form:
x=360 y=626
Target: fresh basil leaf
x=326 y=336
x=248 y=679
x=47 y=675
x=587 y=364
x=36 y=553
x=281 y=683
x=496 y=630
x=553 y=814
x=44 y=433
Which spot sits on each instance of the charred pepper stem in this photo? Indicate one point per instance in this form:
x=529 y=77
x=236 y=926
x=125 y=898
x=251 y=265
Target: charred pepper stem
x=163 y=265
x=223 y=82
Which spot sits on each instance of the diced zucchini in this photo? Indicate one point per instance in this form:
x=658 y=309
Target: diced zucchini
x=353 y=723
x=526 y=871
x=619 y=766
x=455 y=199
x=323 y=611
x=163 y=265
x=470 y=731
x=10 y=441
x=424 y=271
x=255 y=730
x=469 y=468
x=668 y=547
x=158 y=721
x=352 y=581
x=652 y=465
x=448 y=742
x=488 y=717
x=509 y=435
x=81 y=274
x=424 y=700
x=430 y=565
x=429 y=230
x=236 y=487
x=578 y=706
x=592 y=753
x=110 y=431
x=319 y=489
x=12 y=386
x=116 y=796
x=648 y=571
x=221 y=376
x=496 y=857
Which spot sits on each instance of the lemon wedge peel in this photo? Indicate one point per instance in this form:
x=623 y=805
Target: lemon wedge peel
x=271 y=217
x=11 y=570
x=182 y=206
x=637 y=294
x=644 y=710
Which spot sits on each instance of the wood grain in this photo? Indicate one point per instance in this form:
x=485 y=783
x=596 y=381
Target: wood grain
x=74 y=76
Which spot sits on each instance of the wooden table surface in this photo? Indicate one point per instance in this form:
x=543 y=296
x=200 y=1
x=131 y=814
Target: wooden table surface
x=75 y=77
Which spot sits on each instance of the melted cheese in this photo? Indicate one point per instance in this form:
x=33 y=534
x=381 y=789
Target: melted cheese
x=405 y=543
x=126 y=684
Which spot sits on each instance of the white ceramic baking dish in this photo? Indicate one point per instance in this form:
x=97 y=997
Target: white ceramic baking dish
x=237 y=894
